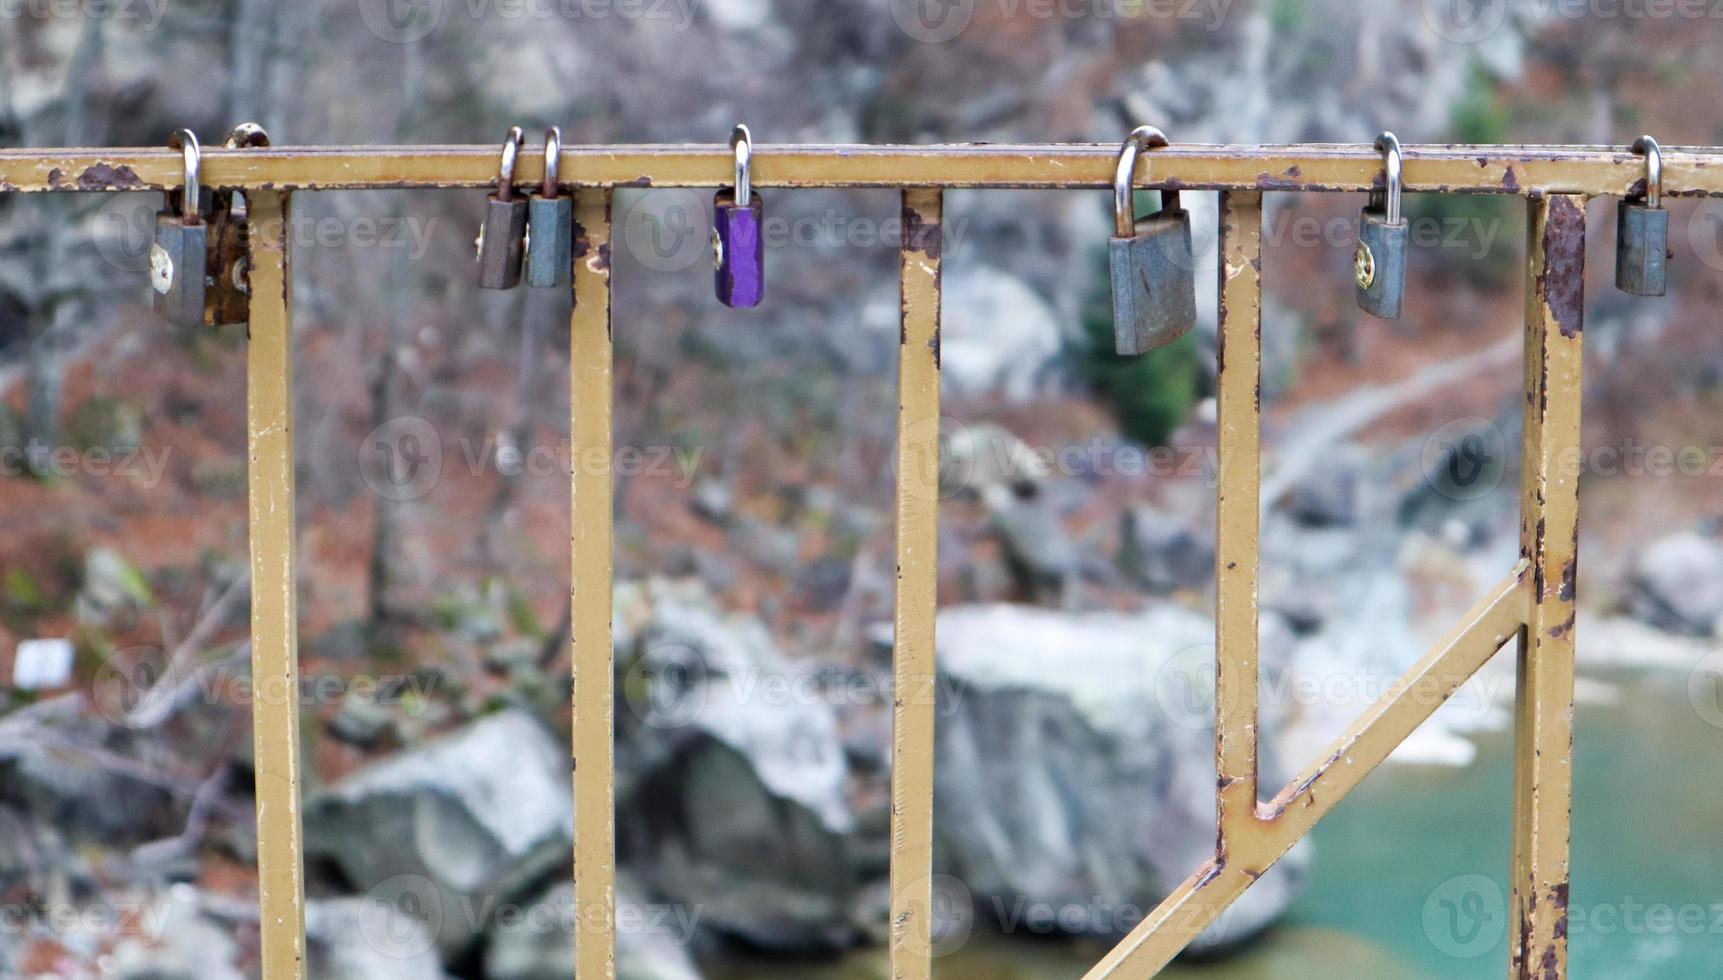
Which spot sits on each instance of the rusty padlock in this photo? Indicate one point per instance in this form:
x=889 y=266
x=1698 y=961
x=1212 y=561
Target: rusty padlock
x=501 y=243
x=738 y=250
x=1642 y=230
x=550 y=223
x=1379 y=263
x=179 y=256
x=228 y=297
x=1151 y=261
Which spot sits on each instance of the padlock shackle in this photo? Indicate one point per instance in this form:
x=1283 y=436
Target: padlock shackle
x=1124 y=214
x=1653 y=170
x=185 y=141
x=742 y=145
x=506 y=168
x=1389 y=146
x=552 y=161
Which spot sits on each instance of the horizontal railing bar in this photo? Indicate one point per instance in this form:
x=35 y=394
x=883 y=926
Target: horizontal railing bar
x=1522 y=170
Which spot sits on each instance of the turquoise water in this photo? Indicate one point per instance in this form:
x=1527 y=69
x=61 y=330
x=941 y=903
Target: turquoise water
x=1411 y=873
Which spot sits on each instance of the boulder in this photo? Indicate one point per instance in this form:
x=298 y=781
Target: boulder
x=1163 y=551
x=999 y=334
x=55 y=768
x=652 y=940
x=356 y=939
x=1075 y=766
x=731 y=788
x=172 y=938
x=446 y=827
x=1678 y=584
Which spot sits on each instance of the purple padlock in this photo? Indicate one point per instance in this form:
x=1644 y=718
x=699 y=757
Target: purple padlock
x=738 y=249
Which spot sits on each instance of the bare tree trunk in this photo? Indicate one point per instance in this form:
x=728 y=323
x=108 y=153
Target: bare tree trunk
x=56 y=301
x=385 y=400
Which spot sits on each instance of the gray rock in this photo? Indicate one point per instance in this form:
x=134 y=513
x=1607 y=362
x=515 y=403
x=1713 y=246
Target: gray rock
x=1678 y=584
x=1164 y=552
x=732 y=798
x=652 y=940
x=473 y=816
x=1075 y=766
x=361 y=723
x=1334 y=493
x=50 y=769
x=359 y=939
x=999 y=334
x=111 y=584
x=175 y=940
x=713 y=499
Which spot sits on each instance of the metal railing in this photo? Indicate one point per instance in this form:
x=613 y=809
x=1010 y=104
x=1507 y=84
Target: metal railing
x=1534 y=601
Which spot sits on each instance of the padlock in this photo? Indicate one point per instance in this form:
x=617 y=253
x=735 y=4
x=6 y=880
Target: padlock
x=1379 y=263
x=179 y=256
x=502 y=235
x=550 y=224
x=1152 y=264
x=1642 y=230
x=738 y=250
x=228 y=298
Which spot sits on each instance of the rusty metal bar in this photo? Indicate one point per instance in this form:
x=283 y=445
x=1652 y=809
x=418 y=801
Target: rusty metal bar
x=590 y=435
x=1238 y=371
x=1525 y=170
x=913 y=699
x=274 y=602
x=1549 y=542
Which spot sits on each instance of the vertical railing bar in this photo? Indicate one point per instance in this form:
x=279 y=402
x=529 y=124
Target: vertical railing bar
x=913 y=704
x=1238 y=373
x=274 y=617
x=590 y=439
x=1549 y=529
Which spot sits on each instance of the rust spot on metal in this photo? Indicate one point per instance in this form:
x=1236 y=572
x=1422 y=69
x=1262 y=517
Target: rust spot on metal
x=1510 y=180
x=1266 y=181
x=933 y=345
x=1563 y=279
x=1569 y=580
x=54 y=177
x=921 y=235
x=640 y=181
x=103 y=177
x=602 y=263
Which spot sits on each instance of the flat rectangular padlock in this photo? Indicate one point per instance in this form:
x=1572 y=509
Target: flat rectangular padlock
x=502 y=241
x=1154 y=280
x=738 y=249
x=1641 y=248
x=179 y=273
x=1379 y=263
x=549 y=241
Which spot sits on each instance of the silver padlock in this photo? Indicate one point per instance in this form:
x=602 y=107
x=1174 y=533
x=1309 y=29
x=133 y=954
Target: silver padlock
x=1642 y=230
x=1379 y=263
x=179 y=257
x=502 y=235
x=1151 y=261
x=550 y=224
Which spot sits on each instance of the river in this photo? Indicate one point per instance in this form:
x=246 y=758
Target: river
x=1410 y=877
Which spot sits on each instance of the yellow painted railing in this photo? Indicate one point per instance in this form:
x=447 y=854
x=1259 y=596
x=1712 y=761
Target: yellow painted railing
x=1533 y=602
